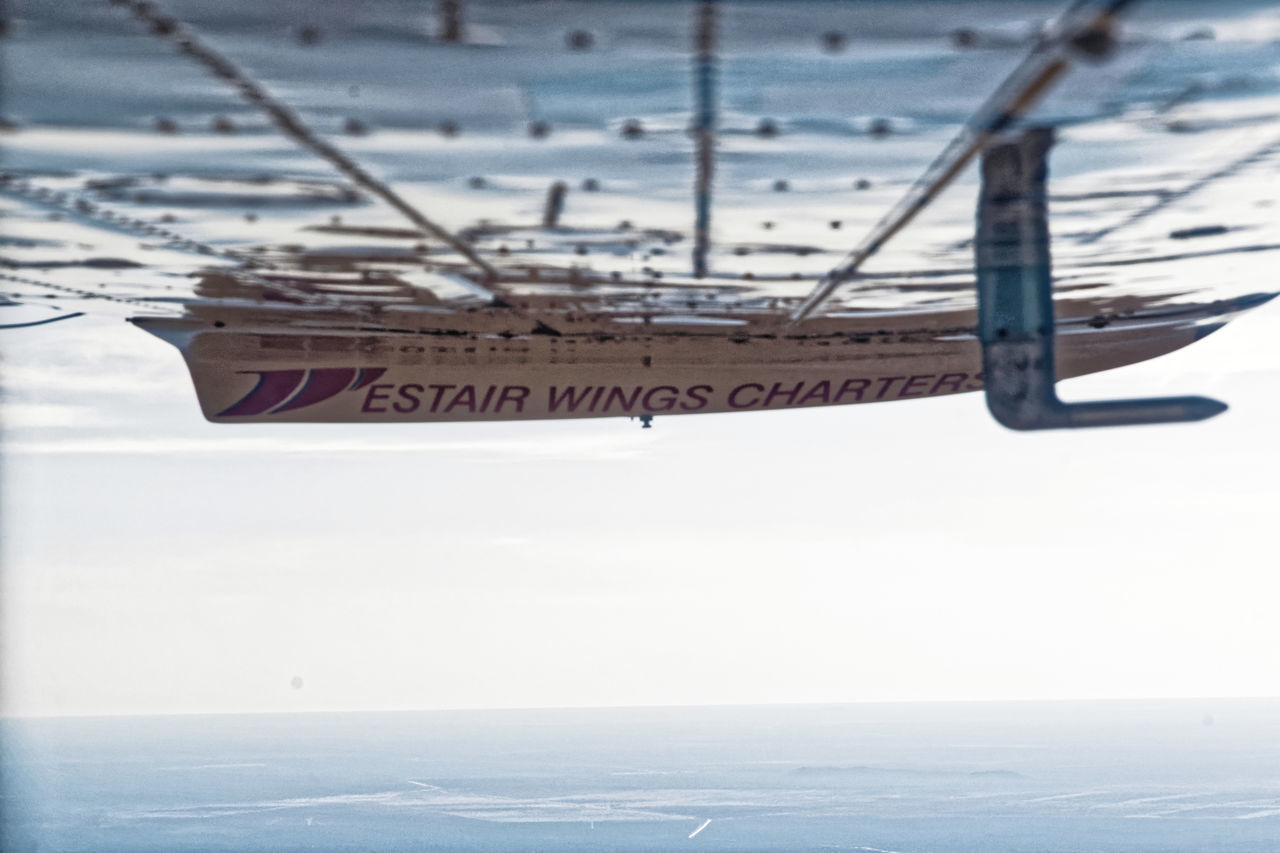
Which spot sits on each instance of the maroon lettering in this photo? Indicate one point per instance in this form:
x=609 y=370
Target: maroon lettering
x=888 y=383
x=374 y=395
x=665 y=404
x=488 y=395
x=408 y=393
x=975 y=384
x=512 y=394
x=466 y=396
x=616 y=393
x=567 y=399
x=949 y=381
x=733 y=396
x=818 y=393
x=440 y=389
x=776 y=391
x=698 y=393
x=913 y=382
x=852 y=386
x=596 y=399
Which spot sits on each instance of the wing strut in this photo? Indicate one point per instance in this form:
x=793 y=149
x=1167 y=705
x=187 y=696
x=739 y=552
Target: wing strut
x=1019 y=92
x=704 y=92
x=1015 y=304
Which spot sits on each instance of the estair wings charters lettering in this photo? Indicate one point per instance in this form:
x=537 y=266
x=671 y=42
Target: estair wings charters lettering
x=289 y=390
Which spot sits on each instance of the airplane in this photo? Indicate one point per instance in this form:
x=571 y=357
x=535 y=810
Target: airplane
x=283 y=336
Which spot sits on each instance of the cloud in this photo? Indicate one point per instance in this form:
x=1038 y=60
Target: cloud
x=49 y=415
x=124 y=377
x=607 y=446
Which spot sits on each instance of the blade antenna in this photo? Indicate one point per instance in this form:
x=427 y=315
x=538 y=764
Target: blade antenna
x=288 y=123
x=1018 y=93
x=704 y=93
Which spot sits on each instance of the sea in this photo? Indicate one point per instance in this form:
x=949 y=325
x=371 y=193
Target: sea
x=1022 y=777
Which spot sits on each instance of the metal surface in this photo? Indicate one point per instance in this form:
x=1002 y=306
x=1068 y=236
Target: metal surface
x=1016 y=95
x=291 y=125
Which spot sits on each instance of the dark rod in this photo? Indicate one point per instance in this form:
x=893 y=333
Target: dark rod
x=704 y=93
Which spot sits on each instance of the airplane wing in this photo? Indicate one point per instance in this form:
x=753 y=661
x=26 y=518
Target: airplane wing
x=704 y=173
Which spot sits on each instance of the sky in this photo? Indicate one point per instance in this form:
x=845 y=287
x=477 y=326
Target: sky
x=910 y=551
x=151 y=562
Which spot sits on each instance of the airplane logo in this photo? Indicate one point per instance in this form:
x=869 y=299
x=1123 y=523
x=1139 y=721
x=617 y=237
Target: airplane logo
x=286 y=390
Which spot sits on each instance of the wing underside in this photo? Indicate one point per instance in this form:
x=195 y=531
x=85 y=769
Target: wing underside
x=540 y=196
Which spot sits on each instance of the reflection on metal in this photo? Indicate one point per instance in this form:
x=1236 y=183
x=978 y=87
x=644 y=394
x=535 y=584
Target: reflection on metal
x=1170 y=197
x=1090 y=38
x=102 y=216
x=1015 y=304
x=298 y=314
x=291 y=125
x=704 y=92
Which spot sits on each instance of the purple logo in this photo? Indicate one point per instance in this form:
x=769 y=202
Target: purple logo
x=286 y=390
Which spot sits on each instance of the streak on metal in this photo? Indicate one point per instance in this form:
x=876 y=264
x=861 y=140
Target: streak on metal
x=43 y=322
x=704 y=93
x=288 y=123
x=1015 y=304
x=1019 y=92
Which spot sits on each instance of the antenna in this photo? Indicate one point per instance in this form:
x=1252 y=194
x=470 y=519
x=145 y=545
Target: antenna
x=704 y=129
